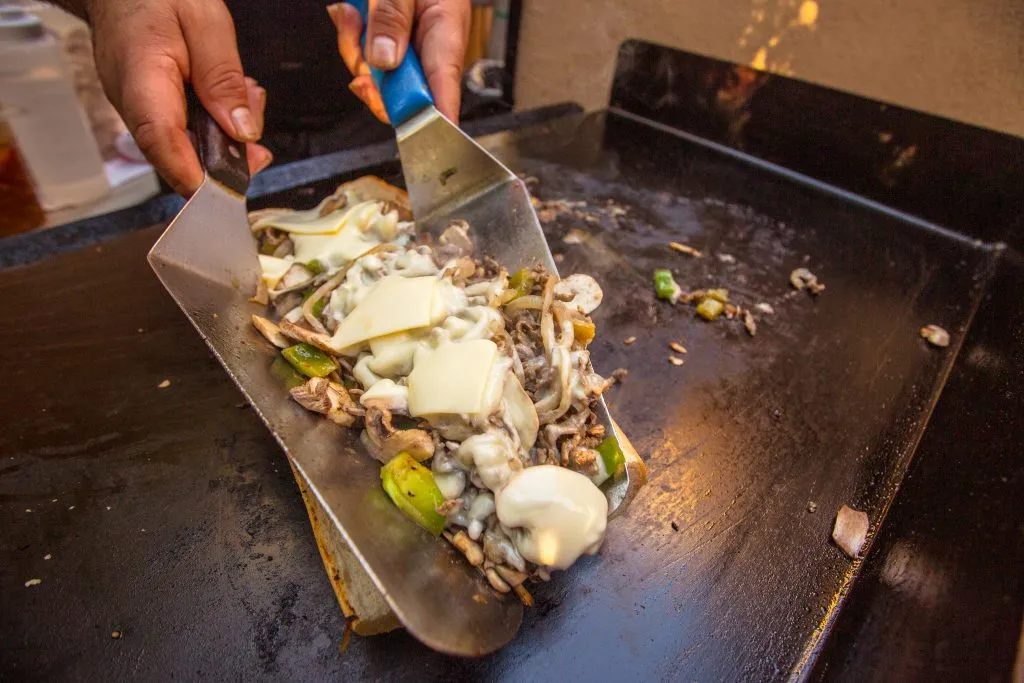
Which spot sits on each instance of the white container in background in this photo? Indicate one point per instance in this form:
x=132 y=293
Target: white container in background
x=38 y=100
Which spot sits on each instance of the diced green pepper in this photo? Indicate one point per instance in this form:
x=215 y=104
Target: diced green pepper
x=309 y=360
x=411 y=488
x=282 y=370
x=315 y=267
x=611 y=455
x=721 y=295
x=665 y=286
x=522 y=282
x=318 y=307
x=709 y=308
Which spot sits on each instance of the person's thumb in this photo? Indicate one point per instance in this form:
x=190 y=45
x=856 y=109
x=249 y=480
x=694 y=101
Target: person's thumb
x=388 y=28
x=215 y=69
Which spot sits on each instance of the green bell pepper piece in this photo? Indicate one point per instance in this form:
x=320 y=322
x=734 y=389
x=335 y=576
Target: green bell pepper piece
x=611 y=455
x=282 y=370
x=522 y=282
x=309 y=360
x=318 y=307
x=665 y=286
x=411 y=487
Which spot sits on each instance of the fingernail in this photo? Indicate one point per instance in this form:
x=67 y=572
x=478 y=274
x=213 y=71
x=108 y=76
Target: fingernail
x=266 y=162
x=333 y=10
x=245 y=124
x=384 y=52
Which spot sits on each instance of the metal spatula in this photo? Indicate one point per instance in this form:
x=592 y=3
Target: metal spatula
x=207 y=261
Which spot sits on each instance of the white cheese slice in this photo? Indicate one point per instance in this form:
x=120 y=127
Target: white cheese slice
x=273 y=269
x=394 y=304
x=333 y=250
x=451 y=379
x=312 y=223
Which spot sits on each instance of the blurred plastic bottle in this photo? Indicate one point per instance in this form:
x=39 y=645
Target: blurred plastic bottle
x=38 y=101
x=19 y=210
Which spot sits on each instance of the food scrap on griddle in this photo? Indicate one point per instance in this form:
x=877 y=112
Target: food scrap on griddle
x=802 y=279
x=935 y=335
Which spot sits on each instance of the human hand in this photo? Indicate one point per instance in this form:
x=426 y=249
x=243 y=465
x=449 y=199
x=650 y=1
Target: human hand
x=146 y=50
x=441 y=33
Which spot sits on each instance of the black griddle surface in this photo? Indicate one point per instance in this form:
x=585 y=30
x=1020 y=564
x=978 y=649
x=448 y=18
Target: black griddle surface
x=204 y=560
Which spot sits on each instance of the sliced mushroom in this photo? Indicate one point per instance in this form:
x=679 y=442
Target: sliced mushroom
x=385 y=442
x=581 y=291
x=457 y=235
x=497 y=583
x=271 y=331
x=511 y=576
x=313 y=395
x=416 y=442
x=320 y=395
x=262 y=295
x=302 y=334
x=467 y=547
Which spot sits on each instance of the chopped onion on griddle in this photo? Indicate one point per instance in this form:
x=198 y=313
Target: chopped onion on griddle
x=850 y=530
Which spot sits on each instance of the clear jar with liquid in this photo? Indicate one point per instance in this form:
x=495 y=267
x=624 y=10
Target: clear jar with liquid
x=38 y=101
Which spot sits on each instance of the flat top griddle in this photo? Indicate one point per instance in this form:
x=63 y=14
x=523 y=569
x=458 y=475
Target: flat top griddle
x=170 y=516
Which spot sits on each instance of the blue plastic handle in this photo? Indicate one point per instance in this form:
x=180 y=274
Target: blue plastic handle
x=404 y=89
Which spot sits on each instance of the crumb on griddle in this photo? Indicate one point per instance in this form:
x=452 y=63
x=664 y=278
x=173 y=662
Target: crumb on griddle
x=935 y=335
x=749 y=323
x=675 y=361
x=677 y=347
x=812 y=507
x=163 y=385
x=802 y=278
x=685 y=249
x=850 y=530
x=629 y=340
x=33 y=582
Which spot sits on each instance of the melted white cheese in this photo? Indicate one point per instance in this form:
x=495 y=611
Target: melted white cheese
x=393 y=304
x=393 y=396
x=334 y=250
x=272 y=269
x=312 y=223
x=557 y=514
x=520 y=411
x=452 y=379
x=491 y=454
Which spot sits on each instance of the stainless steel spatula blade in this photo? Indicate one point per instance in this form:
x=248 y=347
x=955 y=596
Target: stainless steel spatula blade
x=207 y=261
